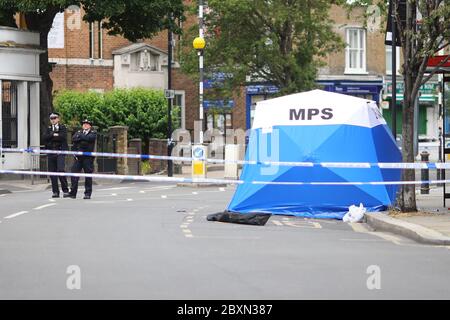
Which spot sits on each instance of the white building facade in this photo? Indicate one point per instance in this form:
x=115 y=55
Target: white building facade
x=19 y=95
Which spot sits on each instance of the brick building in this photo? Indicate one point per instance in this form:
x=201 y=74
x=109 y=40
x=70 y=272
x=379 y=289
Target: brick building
x=85 y=57
x=364 y=69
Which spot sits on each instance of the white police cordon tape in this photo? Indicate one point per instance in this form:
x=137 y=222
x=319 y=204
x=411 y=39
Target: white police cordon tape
x=122 y=177
x=214 y=181
x=360 y=165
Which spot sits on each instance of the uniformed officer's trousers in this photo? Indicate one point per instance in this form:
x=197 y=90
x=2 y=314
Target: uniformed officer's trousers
x=56 y=163
x=87 y=165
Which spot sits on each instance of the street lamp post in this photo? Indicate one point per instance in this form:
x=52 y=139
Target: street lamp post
x=199 y=45
x=394 y=72
x=199 y=151
x=169 y=100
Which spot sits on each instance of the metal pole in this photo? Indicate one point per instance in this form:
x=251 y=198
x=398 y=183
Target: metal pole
x=394 y=72
x=200 y=53
x=425 y=174
x=1 y=123
x=169 y=100
x=440 y=154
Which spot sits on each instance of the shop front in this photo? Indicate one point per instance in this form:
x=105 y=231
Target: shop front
x=254 y=94
x=368 y=89
x=428 y=115
x=219 y=115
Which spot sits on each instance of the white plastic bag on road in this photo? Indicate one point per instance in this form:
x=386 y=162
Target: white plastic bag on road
x=354 y=213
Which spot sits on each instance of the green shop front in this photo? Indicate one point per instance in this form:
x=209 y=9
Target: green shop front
x=428 y=108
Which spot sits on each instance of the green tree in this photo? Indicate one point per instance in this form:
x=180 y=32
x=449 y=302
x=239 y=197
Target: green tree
x=137 y=19
x=276 y=41
x=424 y=33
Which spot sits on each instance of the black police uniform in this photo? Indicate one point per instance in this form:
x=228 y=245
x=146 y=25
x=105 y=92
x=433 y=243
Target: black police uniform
x=55 y=138
x=84 y=143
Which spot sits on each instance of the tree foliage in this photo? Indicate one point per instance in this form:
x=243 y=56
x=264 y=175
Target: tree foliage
x=137 y=19
x=423 y=34
x=144 y=111
x=276 y=41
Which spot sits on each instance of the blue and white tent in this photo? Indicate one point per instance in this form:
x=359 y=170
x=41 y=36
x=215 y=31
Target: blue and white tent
x=317 y=127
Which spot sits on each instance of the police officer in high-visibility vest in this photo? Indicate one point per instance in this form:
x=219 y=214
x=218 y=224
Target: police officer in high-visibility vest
x=55 y=138
x=84 y=141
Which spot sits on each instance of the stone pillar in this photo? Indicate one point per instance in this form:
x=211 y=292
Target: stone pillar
x=136 y=146
x=34 y=115
x=22 y=123
x=120 y=134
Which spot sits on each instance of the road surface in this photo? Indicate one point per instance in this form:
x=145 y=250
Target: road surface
x=152 y=241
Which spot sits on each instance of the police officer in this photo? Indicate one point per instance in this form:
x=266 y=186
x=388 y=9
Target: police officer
x=84 y=141
x=55 y=138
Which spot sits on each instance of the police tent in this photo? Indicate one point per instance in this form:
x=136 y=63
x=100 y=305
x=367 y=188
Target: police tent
x=293 y=138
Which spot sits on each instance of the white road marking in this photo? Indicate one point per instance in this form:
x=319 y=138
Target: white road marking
x=227 y=238
x=278 y=223
x=359 y=227
x=16 y=214
x=119 y=188
x=94 y=201
x=362 y=228
x=194 y=192
x=183 y=226
x=187 y=231
x=188 y=235
x=52 y=200
x=222 y=189
x=303 y=224
x=106 y=195
x=363 y=240
x=142 y=191
x=45 y=206
x=160 y=188
x=316 y=225
x=164 y=196
x=2 y=195
x=129 y=200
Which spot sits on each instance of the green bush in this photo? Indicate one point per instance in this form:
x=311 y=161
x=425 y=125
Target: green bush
x=144 y=111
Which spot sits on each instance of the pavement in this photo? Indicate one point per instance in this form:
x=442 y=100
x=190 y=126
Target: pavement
x=431 y=225
x=152 y=241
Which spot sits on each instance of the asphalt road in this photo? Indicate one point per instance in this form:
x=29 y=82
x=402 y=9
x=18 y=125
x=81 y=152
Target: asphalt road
x=152 y=241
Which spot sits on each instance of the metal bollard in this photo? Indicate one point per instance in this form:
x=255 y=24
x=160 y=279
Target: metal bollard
x=425 y=173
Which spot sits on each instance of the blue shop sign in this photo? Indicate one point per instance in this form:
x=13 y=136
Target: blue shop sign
x=218 y=104
x=354 y=89
x=262 y=89
x=216 y=80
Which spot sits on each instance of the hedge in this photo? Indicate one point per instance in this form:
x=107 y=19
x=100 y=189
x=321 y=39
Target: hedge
x=144 y=111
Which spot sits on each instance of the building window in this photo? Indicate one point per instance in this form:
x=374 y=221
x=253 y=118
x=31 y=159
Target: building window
x=355 y=52
x=179 y=43
x=9 y=114
x=221 y=120
x=389 y=59
x=95 y=31
x=154 y=62
x=178 y=117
